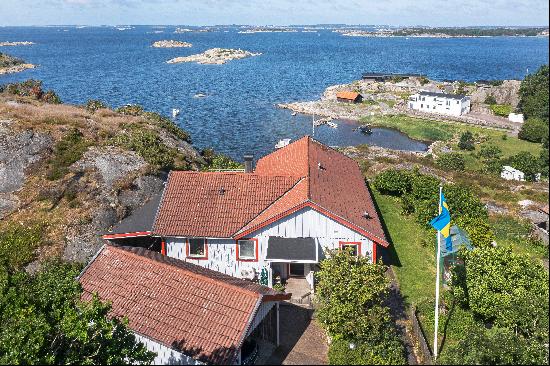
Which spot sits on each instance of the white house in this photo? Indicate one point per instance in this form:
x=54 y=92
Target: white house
x=274 y=222
x=442 y=103
x=516 y=117
x=510 y=173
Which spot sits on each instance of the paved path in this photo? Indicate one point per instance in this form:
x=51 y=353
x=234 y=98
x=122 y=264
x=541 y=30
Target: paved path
x=303 y=342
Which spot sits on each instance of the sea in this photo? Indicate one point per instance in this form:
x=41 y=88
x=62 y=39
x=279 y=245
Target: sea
x=238 y=114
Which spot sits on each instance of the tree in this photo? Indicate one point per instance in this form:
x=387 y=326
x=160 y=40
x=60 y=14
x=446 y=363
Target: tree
x=451 y=161
x=490 y=99
x=534 y=130
x=527 y=163
x=466 y=141
x=393 y=182
x=533 y=94
x=43 y=321
x=491 y=158
x=350 y=293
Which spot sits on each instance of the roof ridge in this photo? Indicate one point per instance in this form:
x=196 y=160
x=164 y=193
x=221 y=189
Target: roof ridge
x=161 y=201
x=193 y=274
x=309 y=142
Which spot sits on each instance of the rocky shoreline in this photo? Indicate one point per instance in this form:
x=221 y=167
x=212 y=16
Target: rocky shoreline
x=215 y=56
x=15 y=69
x=171 y=44
x=390 y=98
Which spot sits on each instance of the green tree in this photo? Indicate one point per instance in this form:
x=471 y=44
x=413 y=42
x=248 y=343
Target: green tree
x=393 y=182
x=215 y=161
x=43 y=321
x=466 y=141
x=534 y=130
x=527 y=163
x=533 y=94
x=491 y=156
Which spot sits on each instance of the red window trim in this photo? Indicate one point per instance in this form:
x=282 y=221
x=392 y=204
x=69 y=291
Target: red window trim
x=356 y=243
x=374 y=252
x=246 y=259
x=187 y=244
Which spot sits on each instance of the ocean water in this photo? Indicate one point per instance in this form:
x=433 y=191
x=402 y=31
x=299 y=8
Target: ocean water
x=239 y=114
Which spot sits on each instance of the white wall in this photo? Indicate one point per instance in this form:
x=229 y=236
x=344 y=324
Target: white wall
x=304 y=223
x=165 y=355
x=441 y=105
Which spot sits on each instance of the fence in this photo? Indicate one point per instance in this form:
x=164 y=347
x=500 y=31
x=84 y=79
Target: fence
x=427 y=357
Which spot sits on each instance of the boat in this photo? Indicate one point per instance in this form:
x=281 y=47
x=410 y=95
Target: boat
x=365 y=129
x=199 y=95
x=293 y=114
x=175 y=112
x=282 y=143
x=332 y=124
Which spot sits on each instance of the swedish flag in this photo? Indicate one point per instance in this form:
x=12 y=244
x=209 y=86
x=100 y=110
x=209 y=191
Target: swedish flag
x=442 y=223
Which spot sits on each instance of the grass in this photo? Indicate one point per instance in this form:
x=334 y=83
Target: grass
x=66 y=152
x=515 y=233
x=430 y=130
x=414 y=264
x=502 y=110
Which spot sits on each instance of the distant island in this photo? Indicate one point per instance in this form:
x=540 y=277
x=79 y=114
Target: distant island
x=25 y=43
x=215 y=56
x=171 y=44
x=268 y=30
x=446 y=32
x=10 y=64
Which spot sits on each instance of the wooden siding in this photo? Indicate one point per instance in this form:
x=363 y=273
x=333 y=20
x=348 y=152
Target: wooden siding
x=165 y=355
x=222 y=256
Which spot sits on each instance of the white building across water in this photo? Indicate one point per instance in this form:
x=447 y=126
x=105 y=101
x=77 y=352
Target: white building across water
x=441 y=103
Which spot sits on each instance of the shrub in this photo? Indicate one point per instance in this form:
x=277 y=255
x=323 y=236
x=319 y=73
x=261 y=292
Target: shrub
x=168 y=125
x=130 y=110
x=534 y=130
x=66 y=152
x=424 y=80
x=451 y=161
x=51 y=97
x=215 y=161
x=18 y=242
x=490 y=99
x=490 y=156
x=502 y=110
x=93 y=105
x=33 y=88
x=149 y=146
x=466 y=141
x=393 y=182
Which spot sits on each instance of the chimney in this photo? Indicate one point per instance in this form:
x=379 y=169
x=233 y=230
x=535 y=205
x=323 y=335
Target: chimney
x=248 y=163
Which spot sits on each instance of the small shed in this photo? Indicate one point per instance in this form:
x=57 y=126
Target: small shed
x=349 y=97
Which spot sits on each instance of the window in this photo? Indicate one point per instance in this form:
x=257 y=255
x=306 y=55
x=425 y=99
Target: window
x=354 y=246
x=247 y=250
x=197 y=248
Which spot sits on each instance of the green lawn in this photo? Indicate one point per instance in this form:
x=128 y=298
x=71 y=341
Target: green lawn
x=430 y=130
x=414 y=263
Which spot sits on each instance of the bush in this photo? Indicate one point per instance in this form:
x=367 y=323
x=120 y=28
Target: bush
x=393 y=182
x=490 y=156
x=534 y=130
x=215 y=161
x=490 y=99
x=466 y=141
x=17 y=244
x=149 y=146
x=502 y=110
x=92 y=105
x=130 y=110
x=33 y=88
x=424 y=80
x=167 y=124
x=66 y=152
x=451 y=161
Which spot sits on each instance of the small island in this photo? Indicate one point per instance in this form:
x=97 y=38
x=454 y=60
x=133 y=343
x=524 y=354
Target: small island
x=10 y=64
x=215 y=56
x=25 y=43
x=450 y=32
x=171 y=44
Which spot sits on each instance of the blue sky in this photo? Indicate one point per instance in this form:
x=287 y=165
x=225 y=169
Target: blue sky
x=278 y=12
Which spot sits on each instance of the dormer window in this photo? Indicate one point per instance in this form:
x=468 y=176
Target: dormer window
x=197 y=248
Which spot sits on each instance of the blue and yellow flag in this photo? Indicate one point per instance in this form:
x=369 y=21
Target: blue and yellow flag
x=442 y=223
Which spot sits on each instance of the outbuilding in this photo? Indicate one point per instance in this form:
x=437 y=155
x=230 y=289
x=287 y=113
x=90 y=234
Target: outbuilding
x=349 y=97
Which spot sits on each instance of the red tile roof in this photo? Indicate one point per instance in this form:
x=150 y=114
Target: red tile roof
x=178 y=304
x=333 y=184
x=304 y=173
x=215 y=205
x=349 y=95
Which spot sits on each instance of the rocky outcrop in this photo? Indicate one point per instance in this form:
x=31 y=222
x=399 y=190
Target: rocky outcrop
x=215 y=56
x=25 y=43
x=171 y=44
x=506 y=93
x=17 y=68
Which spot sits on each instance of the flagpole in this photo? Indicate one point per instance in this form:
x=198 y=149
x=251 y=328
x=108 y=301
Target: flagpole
x=437 y=279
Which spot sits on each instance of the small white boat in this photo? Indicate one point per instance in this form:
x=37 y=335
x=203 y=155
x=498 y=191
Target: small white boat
x=293 y=114
x=175 y=112
x=199 y=95
x=332 y=124
x=282 y=143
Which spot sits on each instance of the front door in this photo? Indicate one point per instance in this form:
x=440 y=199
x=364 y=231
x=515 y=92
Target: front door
x=296 y=270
